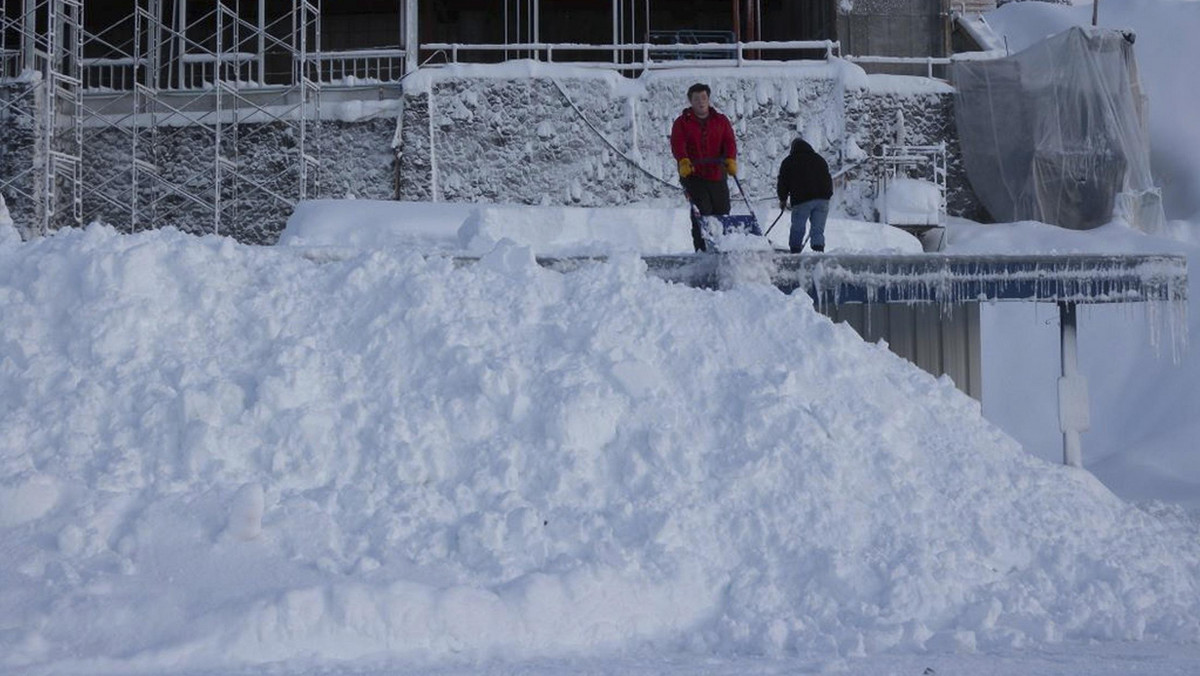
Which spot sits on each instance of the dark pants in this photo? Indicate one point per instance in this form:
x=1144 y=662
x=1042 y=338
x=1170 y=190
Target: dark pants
x=711 y=199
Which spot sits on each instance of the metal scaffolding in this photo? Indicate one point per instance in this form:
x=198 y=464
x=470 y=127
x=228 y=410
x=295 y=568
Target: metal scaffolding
x=41 y=96
x=188 y=92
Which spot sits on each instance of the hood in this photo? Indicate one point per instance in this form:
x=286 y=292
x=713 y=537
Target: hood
x=801 y=146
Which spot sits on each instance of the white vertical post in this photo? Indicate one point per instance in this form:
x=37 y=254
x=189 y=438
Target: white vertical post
x=217 y=117
x=646 y=31
x=48 y=203
x=181 y=40
x=616 y=32
x=29 y=11
x=412 y=39
x=134 y=120
x=1072 y=389
x=262 y=42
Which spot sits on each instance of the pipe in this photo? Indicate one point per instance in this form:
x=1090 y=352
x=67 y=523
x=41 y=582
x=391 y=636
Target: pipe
x=1072 y=388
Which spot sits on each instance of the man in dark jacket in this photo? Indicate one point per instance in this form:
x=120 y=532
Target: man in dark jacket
x=804 y=177
x=704 y=147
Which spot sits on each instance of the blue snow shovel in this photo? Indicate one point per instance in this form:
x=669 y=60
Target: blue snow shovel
x=746 y=224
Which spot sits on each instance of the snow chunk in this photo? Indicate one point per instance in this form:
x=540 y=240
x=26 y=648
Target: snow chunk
x=27 y=499
x=909 y=201
x=246 y=512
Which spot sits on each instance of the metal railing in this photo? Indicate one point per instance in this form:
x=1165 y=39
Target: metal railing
x=201 y=71
x=928 y=61
x=360 y=65
x=351 y=67
x=110 y=74
x=641 y=56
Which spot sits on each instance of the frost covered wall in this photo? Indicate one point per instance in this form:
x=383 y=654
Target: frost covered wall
x=510 y=134
x=558 y=137
x=927 y=119
x=356 y=159
x=16 y=150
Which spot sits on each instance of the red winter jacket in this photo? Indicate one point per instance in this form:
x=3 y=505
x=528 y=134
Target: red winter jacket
x=705 y=142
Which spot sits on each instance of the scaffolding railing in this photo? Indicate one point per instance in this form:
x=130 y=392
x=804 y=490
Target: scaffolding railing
x=45 y=97
x=198 y=85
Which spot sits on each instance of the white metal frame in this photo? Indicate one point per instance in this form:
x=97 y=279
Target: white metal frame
x=47 y=95
x=195 y=70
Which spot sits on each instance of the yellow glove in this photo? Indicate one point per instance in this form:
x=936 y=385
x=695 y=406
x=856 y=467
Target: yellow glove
x=731 y=166
x=685 y=168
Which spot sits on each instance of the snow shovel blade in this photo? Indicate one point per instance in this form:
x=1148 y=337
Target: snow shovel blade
x=745 y=224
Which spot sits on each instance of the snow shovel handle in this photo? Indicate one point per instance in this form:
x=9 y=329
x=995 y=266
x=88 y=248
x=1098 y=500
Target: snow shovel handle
x=772 y=226
x=738 y=183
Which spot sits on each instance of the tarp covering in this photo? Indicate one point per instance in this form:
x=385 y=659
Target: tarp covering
x=1056 y=133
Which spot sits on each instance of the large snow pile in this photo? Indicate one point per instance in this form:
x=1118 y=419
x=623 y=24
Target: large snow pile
x=214 y=454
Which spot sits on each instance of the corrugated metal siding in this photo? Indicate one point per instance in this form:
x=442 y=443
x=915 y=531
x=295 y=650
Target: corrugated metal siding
x=939 y=340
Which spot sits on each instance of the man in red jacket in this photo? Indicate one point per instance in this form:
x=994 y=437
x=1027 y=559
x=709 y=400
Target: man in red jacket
x=703 y=144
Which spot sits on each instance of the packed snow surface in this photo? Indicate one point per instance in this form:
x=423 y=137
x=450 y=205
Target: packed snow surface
x=216 y=455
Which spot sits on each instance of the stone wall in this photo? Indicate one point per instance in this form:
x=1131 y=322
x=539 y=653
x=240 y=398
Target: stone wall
x=597 y=142
x=17 y=152
x=928 y=119
x=258 y=186
x=355 y=159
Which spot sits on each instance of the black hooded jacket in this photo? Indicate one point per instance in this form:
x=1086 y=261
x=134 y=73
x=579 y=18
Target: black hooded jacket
x=804 y=175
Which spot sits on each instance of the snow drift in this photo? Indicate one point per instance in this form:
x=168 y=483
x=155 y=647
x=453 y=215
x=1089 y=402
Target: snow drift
x=213 y=454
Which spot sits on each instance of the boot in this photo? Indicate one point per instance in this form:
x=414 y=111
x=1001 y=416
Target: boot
x=818 y=247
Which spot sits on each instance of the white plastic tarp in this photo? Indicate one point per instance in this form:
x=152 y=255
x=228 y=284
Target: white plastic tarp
x=1056 y=133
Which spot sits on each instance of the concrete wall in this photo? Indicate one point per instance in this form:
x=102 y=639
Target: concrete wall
x=893 y=28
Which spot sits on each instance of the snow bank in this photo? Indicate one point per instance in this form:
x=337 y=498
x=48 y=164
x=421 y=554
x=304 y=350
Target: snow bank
x=474 y=229
x=372 y=224
x=910 y=201
x=216 y=455
x=571 y=231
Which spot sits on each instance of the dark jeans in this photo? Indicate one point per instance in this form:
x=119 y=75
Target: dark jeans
x=711 y=199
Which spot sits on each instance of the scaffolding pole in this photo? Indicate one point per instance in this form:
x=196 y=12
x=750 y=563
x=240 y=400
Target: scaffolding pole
x=163 y=82
x=43 y=94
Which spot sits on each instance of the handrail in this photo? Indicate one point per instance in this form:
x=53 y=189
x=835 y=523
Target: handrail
x=736 y=50
x=928 y=61
x=358 y=53
x=386 y=64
